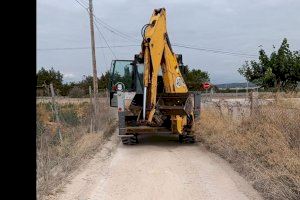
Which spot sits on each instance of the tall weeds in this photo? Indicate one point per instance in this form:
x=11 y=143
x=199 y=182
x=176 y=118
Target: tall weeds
x=264 y=146
x=57 y=159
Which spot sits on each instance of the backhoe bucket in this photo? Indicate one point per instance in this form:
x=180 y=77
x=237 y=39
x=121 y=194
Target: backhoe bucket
x=175 y=103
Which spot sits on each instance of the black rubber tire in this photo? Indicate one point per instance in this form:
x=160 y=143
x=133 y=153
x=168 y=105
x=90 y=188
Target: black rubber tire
x=180 y=139
x=187 y=139
x=130 y=140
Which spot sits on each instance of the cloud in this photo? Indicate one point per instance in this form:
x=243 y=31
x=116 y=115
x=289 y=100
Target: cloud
x=238 y=26
x=69 y=75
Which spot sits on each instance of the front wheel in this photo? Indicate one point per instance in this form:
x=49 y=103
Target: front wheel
x=130 y=140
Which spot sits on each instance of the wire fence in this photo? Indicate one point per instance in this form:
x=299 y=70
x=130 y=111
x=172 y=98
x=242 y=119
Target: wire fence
x=240 y=105
x=68 y=129
x=211 y=95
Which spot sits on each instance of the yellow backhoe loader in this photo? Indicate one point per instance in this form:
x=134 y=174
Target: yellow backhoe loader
x=150 y=92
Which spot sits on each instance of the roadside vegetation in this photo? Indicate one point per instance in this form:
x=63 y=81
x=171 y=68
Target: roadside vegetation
x=280 y=70
x=263 y=146
x=58 y=157
x=261 y=141
x=78 y=89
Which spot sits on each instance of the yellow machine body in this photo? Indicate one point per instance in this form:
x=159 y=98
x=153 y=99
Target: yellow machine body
x=153 y=96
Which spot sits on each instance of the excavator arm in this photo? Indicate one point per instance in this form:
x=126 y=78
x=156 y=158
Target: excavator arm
x=157 y=54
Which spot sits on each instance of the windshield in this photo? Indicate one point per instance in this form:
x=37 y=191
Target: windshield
x=121 y=71
x=140 y=81
x=130 y=75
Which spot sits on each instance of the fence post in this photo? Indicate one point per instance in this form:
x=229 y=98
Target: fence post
x=55 y=110
x=92 y=111
x=247 y=91
x=253 y=101
x=107 y=96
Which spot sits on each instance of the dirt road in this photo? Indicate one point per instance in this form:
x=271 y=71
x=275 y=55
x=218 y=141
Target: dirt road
x=157 y=168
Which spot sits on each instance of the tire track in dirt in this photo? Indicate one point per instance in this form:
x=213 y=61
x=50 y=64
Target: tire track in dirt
x=157 y=168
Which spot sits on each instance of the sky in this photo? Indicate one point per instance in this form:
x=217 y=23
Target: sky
x=242 y=26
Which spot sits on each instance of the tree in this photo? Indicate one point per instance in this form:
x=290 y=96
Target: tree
x=194 y=78
x=281 y=70
x=50 y=76
x=56 y=78
x=85 y=83
x=104 y=80
x=88 y=81
x=66 y=87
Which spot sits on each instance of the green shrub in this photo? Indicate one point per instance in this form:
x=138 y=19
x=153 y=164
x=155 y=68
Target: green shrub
x=69 y=117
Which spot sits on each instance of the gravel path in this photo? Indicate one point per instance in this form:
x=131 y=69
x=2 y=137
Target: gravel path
x=157 y=168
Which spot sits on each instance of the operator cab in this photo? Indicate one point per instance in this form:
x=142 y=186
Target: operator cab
x=131 y=75
x=127 y=73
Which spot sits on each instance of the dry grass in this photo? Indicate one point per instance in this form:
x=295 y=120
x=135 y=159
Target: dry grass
x=268 y=95
x=263 y=147
x=57 y=159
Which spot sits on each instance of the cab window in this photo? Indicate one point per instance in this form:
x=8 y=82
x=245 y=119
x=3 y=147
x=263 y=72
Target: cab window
x=122 y=72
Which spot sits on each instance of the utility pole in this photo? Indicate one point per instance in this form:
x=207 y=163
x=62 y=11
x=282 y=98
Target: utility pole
x=92 y=110
x=95 y=79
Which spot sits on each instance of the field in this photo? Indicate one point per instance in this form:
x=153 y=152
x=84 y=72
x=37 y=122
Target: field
x=260 y=139
x=56 y=158
x=263 y=146
x=66 y=100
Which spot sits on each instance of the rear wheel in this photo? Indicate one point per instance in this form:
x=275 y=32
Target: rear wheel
x=130 y=140
x=187 y=138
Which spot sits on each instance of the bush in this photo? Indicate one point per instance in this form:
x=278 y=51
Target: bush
x=76 y=92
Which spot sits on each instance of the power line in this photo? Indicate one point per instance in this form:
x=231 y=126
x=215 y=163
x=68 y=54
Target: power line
x=114 y=30
x=134 y=45
x=100 y=22
x=86 y=3
x=81 y=48
x=105 y=41
x=82 y=5
x=125 y=36
x=104 y=57
x=214 y=50
x=178 y=45
x=107 y=26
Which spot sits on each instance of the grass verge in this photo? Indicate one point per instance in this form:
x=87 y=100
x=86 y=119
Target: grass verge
x=263 y=147
x=57 y=159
